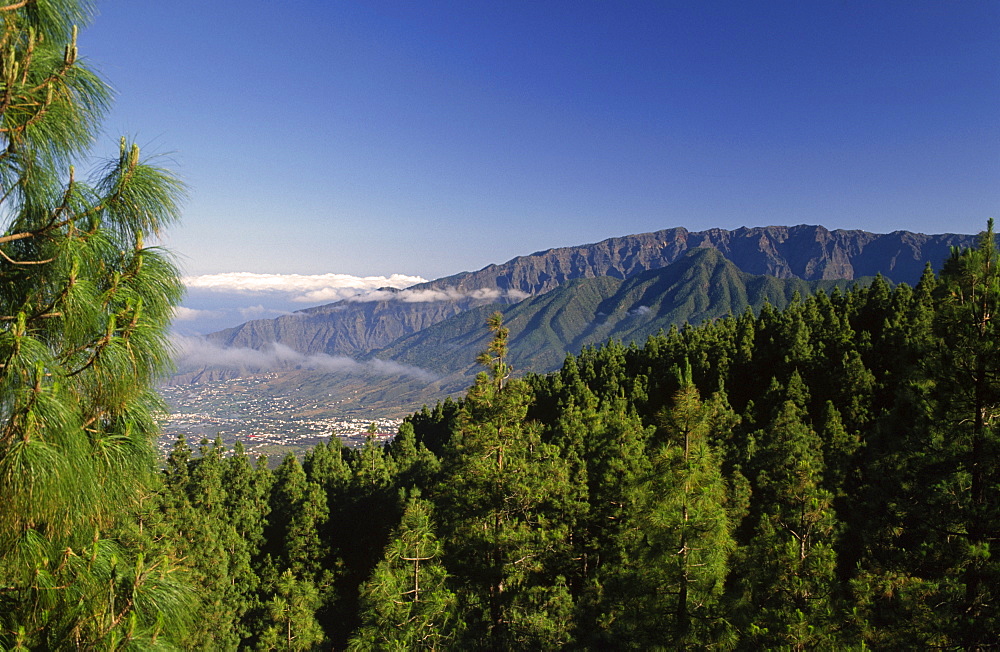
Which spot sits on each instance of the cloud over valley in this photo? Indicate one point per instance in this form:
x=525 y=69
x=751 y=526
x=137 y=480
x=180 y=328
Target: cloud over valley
x=195 y=353
x=439 y=294
x=316 y=288
x=215 y=302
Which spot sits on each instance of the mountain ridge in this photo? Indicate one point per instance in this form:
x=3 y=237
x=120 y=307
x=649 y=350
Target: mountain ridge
x=356 y=327
x=440 y=360
x=809 y=252
x=702 y=285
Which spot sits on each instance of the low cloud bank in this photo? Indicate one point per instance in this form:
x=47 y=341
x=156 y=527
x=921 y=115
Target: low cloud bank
x=215 y=302
x=302 y=288
x=260 y=312
x=191 y=314
x=191 y=353
x=442 y=294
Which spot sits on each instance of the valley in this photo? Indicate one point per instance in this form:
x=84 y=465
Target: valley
x=383 y=356
x=246 y=410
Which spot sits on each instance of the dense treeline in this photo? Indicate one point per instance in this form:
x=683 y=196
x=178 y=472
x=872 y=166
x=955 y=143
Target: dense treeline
x=820 y=477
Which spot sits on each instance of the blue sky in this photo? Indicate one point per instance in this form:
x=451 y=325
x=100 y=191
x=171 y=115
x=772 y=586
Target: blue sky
x=428 y=138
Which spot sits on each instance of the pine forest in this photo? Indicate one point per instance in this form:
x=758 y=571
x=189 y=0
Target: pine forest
x=822 y=477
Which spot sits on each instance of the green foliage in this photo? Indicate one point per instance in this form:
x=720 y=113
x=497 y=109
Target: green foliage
x=299 y=512
x=791 y=559
x=950 y=490
x=214 y=509
x=290 y=616
x=406 y=604
x=669 y=591
x=84 y=308
x=501 y=507
x=836 y=489
x=416 y=465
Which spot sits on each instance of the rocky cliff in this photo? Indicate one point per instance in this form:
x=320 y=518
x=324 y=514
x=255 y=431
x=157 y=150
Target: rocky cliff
x=806 y=252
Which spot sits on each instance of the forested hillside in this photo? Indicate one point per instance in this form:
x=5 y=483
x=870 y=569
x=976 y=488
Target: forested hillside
x=359 y=326
x=700 y=286
x=819 y=477
x=819 y=474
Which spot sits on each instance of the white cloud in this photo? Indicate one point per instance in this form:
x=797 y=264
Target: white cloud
x=442 y=294
x=316 y=288
x=639 y=310
x=196 y=353
x=326 y=295
x=260 y=312
x=218 y=301
x=182 y=313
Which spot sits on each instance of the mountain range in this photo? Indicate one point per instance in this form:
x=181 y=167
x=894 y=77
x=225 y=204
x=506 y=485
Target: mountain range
x=701 y=285
x=559 y=300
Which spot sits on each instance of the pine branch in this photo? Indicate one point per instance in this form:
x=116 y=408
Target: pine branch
x=24 y=262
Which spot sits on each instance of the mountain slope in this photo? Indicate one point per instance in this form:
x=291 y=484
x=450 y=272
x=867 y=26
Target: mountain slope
x=350 y=327
x=804 y=251
x=357 y=327
x=702 y=285
x=542 y=329
x=440 y=360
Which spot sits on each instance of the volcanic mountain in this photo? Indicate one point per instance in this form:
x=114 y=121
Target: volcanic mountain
x=359 y=326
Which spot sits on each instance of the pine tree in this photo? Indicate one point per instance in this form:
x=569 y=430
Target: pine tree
x=325 y=465
x=298 y=513
x=433 y=428
x=373 y=468
x=681 y=539
x=214 y=509
x=290 y=616
x=206 y=551
x=950 y=497
x=972 y=348
x=789 y=566
x=245 y=512
x=406 y=604
x=84 y=308
x=294 y=562
x=175 y=498
x=500 y=506
x=416 y=465
x=839 y=452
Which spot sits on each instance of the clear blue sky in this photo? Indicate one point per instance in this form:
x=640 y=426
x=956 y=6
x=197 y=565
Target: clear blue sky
x=427 y=138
